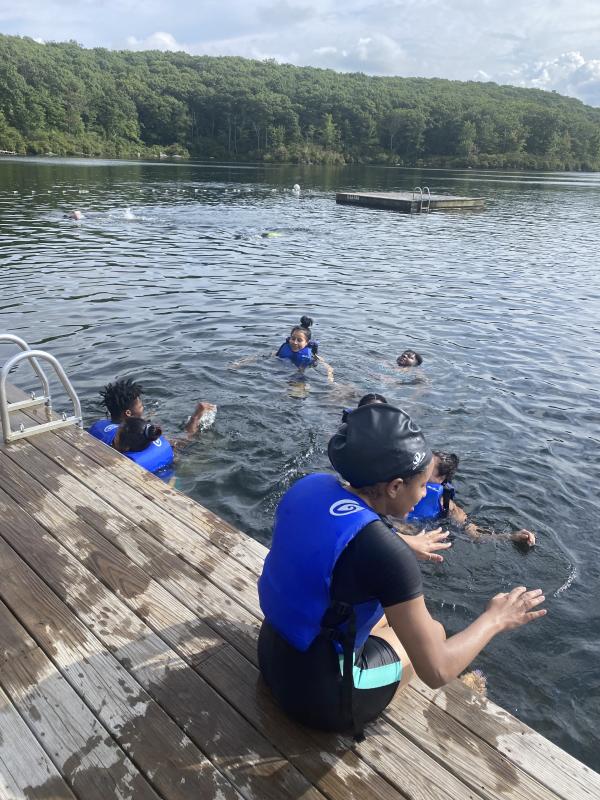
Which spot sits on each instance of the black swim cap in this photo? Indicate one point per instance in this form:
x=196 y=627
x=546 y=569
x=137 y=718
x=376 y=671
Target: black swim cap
x=378 y=443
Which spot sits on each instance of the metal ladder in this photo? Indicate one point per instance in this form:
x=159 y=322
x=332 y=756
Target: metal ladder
x=423 y=204
x=7 y=408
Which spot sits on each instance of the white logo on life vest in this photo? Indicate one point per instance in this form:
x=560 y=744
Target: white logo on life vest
x=343 y=507
x=157 y=442
x=417 y=459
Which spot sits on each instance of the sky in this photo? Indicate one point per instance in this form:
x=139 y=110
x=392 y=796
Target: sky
x=547 y=44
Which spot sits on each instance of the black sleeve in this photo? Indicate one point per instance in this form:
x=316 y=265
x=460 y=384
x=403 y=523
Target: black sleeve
x=377 y=564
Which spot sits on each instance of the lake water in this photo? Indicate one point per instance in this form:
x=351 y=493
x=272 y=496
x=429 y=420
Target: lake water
x=168 y=279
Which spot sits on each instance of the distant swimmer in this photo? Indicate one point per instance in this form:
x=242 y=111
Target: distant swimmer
x=270 y=234
x=409 y=358
x=296 y=188
x=75 y=214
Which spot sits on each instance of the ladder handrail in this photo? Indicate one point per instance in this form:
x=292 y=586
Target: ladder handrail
x=10 y=337
x=418 y=189
x=426 y=197
x=76 y=418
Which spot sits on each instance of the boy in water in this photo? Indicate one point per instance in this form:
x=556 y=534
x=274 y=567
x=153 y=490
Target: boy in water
x=123 y=400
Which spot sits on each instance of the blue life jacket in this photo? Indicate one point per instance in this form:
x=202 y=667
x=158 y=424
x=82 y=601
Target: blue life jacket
x=432 y=506
x=315 y=520
x=157 y=456
x=303 y=358
x=105 y=430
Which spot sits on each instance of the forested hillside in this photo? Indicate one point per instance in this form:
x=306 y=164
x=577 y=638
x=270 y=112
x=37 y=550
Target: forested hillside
x=66 y=100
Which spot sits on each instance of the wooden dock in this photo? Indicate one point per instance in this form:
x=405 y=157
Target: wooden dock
x=128 y=626
x=409 y=202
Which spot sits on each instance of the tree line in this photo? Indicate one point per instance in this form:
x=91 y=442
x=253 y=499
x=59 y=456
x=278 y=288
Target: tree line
x=64 y=99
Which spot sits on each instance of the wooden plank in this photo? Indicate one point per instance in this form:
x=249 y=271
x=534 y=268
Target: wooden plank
x=385 y=752
x=161 y=751
x=80 y=748
x=194 y=591
x=248 y=760
x=527 y=749
x=26 y=772
x=249 y=552
x=64 y=527
x=469 y=758
x=182 y=539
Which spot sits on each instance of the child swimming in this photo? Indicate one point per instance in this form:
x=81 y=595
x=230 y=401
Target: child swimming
x=439 y=501
x=299 y=348
x=143 y=442
x=123 y=401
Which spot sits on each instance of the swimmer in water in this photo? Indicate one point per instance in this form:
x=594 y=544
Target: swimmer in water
x=75 y=214
x=299 y=348
x=439 y=503
x=409 y=358
x=123 y=401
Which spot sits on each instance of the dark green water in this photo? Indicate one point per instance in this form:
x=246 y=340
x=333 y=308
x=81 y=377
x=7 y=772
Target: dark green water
x=168 y=279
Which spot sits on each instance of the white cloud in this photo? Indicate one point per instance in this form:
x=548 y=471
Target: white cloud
x=569 y=73
x=160 y=40
x=552 y=44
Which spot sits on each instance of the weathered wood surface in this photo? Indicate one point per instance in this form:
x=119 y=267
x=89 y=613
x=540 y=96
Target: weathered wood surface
x=128 y=625
x=408 y=202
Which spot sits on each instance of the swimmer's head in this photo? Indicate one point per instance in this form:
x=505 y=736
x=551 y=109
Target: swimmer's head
x=444 y=466
x=75 y=214
x=123 y=399
x=409 y=358
x=382 y=454
x=301 y=334
x=369 y=399
x=135 y=434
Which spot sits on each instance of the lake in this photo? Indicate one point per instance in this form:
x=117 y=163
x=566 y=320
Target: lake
x=179 y=269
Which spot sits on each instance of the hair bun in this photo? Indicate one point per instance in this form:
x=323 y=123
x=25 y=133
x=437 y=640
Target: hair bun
x=152 y=432
x=306 y=322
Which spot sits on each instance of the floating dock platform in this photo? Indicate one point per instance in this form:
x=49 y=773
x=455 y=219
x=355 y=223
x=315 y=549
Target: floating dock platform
x=409 y=202
x=128 y=626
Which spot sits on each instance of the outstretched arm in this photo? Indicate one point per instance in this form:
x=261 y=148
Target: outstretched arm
x=328 y=368
x=458 y=515
x=437 y=659
x=426 y=543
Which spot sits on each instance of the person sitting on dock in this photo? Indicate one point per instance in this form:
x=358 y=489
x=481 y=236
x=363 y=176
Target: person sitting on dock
x=345 y=618
x=409 y=358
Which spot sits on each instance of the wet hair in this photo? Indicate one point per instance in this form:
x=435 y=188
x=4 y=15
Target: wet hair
x=135 y=434
x=305 y=326
x=370 y=398
x=119 y=397
x=418 y=357
x=447 y=464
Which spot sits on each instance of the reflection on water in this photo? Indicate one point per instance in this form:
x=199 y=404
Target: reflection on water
x=176 y=271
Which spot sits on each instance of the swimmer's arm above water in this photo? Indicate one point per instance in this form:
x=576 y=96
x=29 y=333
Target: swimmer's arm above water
x=242 y=362
x=201 y=412
x=437 y=659
x=328 y=367
x=458 y=515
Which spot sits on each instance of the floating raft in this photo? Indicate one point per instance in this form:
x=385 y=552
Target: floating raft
x=128 y=626
x=408 y=202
